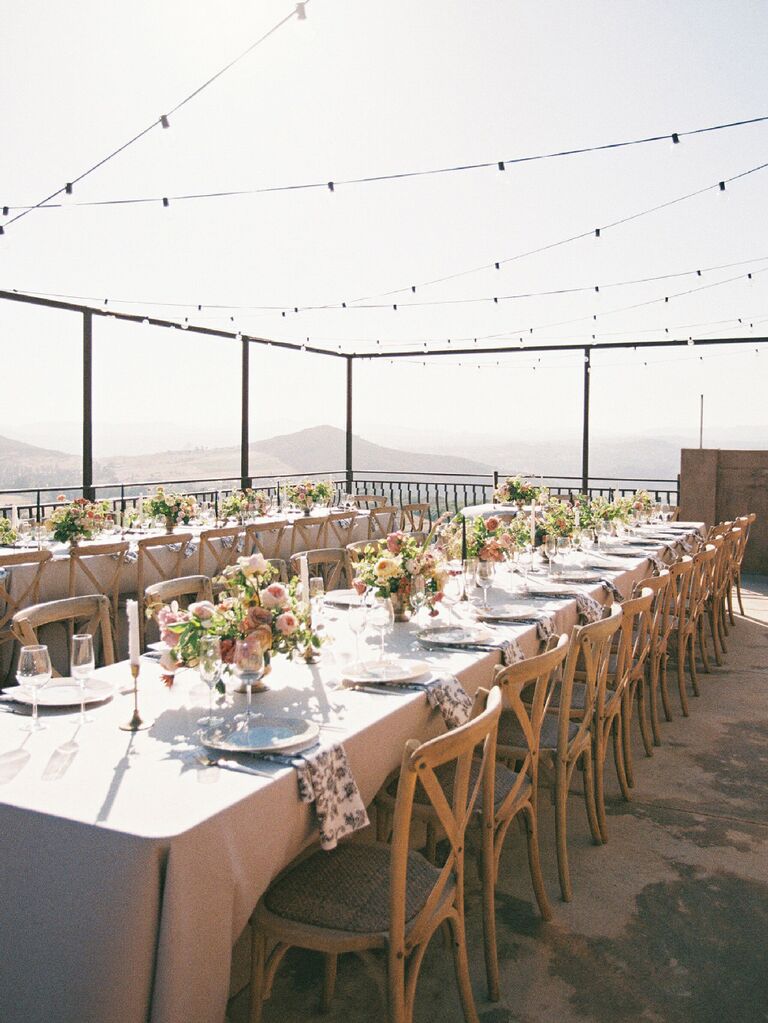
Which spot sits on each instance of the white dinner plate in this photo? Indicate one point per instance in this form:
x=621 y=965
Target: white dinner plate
x=578 y=576
x=265 y=734
x=63 y=692
x=454 y=635
x=389 y=671
x=512 y=612
x=343 y=598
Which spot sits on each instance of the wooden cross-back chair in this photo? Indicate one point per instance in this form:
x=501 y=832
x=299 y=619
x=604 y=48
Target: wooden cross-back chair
x=11 y=602
x=332 y=563
x=656 y=664
x=265 y=537
x=381 y=522
x=368 y=500
x=702 y=586
x=185 y=590
x=515 y=792
x=219 y=548
x=567 y=730
x=154 y=555
x=79 y=614
x=359 y=547
x=366 y=896
x=613 y=709
x=744 y=523
x=681 y=638
x=308 y=533
x=415 y=518
x=107 y=575
x=340 y=528
x=715 y=599
x=281 y=565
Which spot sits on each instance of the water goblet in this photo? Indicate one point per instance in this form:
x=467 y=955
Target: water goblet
x=382 y=618
x=357 y=619
x=209 y=667
x=82 y=664
x=484 y=576
x=248 y=666
x=418 y=595
x=469 y=571
x=452 y=591
x=34 y=671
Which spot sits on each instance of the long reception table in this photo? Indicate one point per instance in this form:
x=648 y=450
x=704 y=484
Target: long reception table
x=130 y=868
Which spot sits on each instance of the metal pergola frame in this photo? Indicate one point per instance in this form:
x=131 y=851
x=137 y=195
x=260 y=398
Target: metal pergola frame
x=246 y=340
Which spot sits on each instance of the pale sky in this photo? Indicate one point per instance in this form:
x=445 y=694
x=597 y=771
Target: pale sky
x=359 y=89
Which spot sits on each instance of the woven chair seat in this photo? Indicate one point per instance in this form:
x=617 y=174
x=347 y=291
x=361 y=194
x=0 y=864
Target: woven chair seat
x=505 y=781
x=578 y=696
x=510 y=733
x=347 y=889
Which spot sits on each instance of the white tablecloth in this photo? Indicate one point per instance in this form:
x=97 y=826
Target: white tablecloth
x=129 y=871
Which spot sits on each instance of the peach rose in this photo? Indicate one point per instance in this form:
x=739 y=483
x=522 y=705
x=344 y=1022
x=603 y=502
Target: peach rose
x=287 y=623
x=275 y=595
x=359 y=586
x=395 y=542
x=492 y=523
x=202 y=609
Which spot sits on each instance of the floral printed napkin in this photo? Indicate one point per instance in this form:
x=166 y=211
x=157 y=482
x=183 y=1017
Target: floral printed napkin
x=589 y=609
x=326 y=780
x=450 y=697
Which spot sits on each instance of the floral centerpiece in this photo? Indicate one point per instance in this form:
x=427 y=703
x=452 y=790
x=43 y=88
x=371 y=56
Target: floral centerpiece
x=389 y=569
x=252 y=604
x=8 y=535
x=80 y=520
x=642 y=503
x=174 y=508
x=240 y=503
x=488 y=539
x=559 y=519
x=519 y=491
x=308 y=493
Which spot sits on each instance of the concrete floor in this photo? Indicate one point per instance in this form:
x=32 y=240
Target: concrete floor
x=669 y=920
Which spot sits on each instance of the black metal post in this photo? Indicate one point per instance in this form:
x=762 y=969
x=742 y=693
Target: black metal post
x=245 y=476
x=349 y=425
x=88 y=491
x=585 y=426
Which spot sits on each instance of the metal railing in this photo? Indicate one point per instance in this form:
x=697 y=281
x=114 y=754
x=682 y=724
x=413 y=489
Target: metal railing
x=444 y=492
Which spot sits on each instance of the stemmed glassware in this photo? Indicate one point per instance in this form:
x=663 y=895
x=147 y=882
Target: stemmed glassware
x=418 y=594
x=34 y=671
x=209 y=666
x=484 y=576
x=382 y=618
x=82 y=664
x=452 y=591
x=357 y=619
x=469 y=568
x=248 y=665
x=525 y=564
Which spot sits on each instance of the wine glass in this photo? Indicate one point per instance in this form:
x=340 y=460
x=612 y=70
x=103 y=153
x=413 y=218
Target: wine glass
x=209 y=666
x=484 y=576
x=550 y=548
x=357 y=619
x=469 y=569
x=382 y=618
x=452 y=591
x=82 y=663
x=525 y=563
x=418 y=595
x=34 y=671
x=248 y=665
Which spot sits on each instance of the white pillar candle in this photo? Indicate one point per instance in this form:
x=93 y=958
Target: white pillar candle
x=14 y=517
x=577 y=517
x=140 y=509
x=304 y=578
x=533 y=524
x=132 y=610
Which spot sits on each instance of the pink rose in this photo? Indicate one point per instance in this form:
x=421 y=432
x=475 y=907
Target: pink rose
x=258 y=563
x=202 y=609
x=359 y=586
x=257 y=616
x=491 y=524
x=287 y=623
x=507 y=540
x=395 y=542
x=275 y=595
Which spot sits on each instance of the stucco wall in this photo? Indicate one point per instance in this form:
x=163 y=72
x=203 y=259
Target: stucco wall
x=719 y=485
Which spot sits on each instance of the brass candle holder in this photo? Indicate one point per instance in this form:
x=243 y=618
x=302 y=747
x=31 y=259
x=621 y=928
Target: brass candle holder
x=136 y=724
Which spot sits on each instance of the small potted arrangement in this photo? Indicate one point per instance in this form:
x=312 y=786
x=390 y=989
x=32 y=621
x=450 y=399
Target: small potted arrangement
x=518 y=491
x=389 y=571
x=8 y=535
x=242 y=503
x=79 y=520
x=308 y=493
x=251 y=603
x=175 y=509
